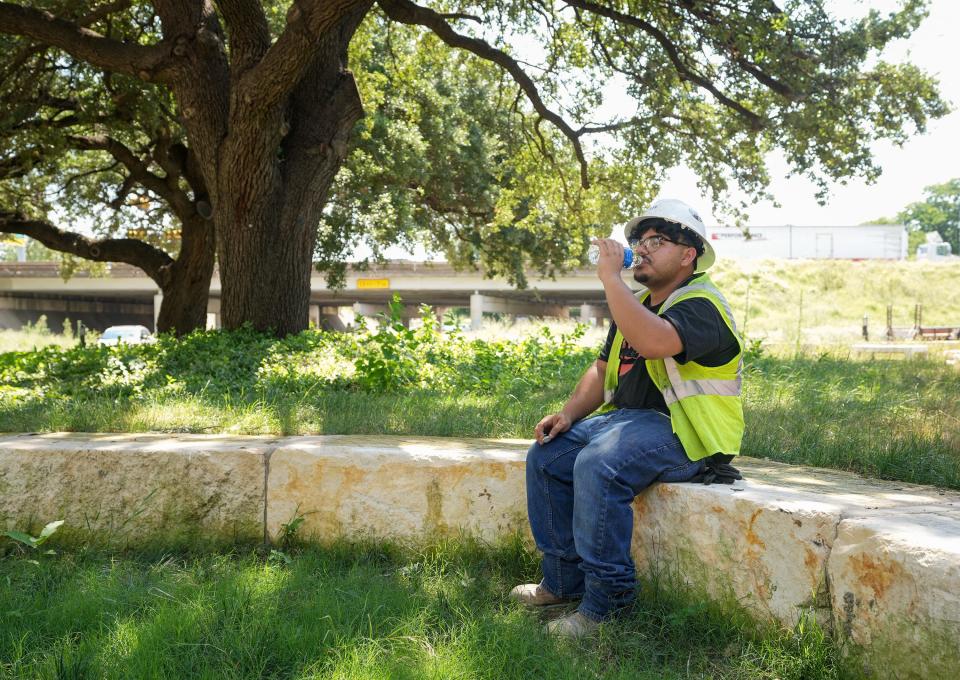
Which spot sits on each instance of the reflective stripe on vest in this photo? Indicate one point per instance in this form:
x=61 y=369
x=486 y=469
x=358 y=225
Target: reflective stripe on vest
x=612 y=375
x=681 y=389
x=678 y=387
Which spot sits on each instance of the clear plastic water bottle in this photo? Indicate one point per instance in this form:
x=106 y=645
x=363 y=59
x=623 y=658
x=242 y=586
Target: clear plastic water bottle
x=593 y=256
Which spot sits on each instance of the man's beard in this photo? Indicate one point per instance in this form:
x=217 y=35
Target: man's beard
x=641 y=277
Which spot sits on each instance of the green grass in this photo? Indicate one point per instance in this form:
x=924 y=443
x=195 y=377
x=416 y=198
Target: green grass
x=890 y=419
x=360 y=611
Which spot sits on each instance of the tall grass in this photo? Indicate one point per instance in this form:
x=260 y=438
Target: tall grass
x=359 y=611
x=895 y=420
x=836 y=295
x=33 y=337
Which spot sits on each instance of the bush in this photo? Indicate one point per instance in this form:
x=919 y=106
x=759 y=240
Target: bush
x=253 y=365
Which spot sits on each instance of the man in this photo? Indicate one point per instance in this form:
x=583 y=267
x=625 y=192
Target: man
x=666 y=387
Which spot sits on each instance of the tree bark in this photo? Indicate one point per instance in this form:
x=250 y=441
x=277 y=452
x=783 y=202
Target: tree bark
x=184 y=305
x=273 y=180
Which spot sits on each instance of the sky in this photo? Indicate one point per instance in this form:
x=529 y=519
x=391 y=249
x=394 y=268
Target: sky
x=931 y=158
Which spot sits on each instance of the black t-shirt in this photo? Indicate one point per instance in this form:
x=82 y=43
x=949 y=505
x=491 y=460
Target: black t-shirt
x=706 y=340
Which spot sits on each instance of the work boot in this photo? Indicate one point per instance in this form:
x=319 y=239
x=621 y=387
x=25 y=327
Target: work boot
x=535 y=595
x=572 y=626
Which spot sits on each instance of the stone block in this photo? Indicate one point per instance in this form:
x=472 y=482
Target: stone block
x=767 y=552
x=134 y=488
x=766 y=540
x=398 y=487
x=895 y=592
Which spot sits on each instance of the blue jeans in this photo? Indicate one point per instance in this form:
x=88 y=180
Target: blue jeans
x=580 y=490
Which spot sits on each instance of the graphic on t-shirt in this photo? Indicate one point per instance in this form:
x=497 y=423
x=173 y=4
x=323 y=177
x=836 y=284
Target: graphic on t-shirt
x=628 y=357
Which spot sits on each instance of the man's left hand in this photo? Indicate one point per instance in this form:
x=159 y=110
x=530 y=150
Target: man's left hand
x=610 y=263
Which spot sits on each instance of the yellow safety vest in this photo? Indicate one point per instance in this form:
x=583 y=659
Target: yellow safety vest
x=704 y=401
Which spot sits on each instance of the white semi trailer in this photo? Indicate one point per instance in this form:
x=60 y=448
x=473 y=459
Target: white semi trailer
x=862 y=242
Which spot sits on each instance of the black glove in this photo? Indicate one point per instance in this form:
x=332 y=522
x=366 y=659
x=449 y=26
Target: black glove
x=717 y=470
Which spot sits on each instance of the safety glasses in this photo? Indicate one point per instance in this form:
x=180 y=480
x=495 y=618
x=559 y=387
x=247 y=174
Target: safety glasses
x=651 y=244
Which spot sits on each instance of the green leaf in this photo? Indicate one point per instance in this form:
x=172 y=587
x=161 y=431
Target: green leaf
x=21 y=537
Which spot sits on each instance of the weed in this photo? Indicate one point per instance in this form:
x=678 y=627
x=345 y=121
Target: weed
x=34 y=543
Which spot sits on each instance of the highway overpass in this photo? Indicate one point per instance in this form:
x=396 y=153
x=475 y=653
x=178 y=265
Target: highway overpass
x=126 y=295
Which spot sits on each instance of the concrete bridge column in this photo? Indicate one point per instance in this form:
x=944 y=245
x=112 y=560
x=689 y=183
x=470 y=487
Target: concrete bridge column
x=213 y=313
x=369 y=310
x=157 y=301
x=476 y=310
x=591 y=314
x=328 y=318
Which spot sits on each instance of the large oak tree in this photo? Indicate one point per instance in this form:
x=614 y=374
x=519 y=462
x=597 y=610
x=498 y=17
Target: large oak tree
x=233 y=122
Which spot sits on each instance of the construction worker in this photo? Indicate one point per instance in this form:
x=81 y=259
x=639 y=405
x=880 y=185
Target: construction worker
x=665 y=399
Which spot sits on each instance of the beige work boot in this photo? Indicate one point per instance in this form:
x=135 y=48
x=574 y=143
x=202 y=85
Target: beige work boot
x=535 y=595
x=572 y=626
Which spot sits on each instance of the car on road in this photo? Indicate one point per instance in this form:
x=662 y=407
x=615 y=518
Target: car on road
x=130 y=335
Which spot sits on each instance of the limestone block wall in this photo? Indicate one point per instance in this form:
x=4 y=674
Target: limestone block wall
x=397 y=487
x=878 y=562
x=134 y=488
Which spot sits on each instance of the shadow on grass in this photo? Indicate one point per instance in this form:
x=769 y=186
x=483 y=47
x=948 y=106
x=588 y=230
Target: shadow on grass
x=352 y=611
x=891 y=420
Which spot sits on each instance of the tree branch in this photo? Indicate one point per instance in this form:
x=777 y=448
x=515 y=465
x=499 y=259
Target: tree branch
x=153 y=261
x=609 y=127
x=249 y=33
x=673 y=54
x=464 y=17
x=407 y=12
x=164 y=187
x=309 y=22
x=705 y=14
x=24 y=54
x=19 y=164
x=88 y=173
x=61 y=123
x=145 y=62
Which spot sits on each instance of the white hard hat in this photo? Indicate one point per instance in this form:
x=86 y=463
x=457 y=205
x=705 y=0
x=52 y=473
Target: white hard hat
x=672 y=210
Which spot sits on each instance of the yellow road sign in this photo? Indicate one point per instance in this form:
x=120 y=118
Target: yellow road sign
x=372 y=283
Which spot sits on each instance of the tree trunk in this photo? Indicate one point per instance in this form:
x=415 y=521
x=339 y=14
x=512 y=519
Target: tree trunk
x=274 y=176
x=187 y=289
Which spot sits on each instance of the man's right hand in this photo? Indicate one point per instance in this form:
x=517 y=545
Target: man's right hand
x=552 y=426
